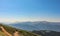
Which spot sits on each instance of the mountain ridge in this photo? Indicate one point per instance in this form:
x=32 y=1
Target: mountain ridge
x=38 y=25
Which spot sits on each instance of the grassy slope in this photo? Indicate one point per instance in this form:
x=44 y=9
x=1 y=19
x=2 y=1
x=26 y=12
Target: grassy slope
x=22 y=32
x=2 y=34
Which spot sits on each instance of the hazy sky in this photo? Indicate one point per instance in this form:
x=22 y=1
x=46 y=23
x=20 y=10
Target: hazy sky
x=29 y=10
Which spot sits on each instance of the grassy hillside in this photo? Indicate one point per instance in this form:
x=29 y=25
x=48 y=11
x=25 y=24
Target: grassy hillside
x=1 y=33
x=11 y=30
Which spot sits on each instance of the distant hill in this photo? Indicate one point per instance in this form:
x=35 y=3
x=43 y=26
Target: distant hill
x=39 y=25
x=47 y=33
x=11 y=31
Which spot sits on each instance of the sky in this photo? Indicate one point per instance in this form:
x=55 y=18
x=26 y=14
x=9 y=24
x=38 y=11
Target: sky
x=29 y=10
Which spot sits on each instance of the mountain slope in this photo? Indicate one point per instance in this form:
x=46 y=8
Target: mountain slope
x=21 y=32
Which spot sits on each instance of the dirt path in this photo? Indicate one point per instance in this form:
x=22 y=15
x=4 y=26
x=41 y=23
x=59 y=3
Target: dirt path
x=5 y=32
x=16 y=33
x=8 y=34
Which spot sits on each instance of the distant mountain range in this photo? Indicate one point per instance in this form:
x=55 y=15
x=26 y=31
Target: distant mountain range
x=38 y=25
